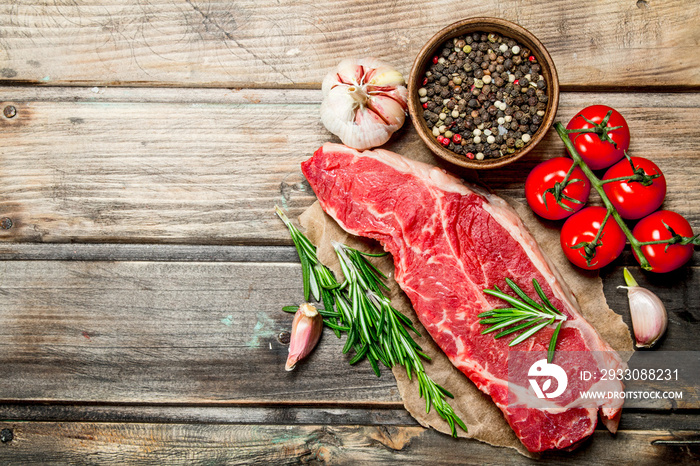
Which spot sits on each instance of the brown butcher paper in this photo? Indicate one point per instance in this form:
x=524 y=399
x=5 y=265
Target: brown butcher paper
x=484 y=420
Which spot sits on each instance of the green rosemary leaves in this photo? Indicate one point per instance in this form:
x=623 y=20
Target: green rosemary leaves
x=358 y=307
x=530 y=316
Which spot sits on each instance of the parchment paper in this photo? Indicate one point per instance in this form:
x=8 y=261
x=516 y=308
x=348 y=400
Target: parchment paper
x=484 y=420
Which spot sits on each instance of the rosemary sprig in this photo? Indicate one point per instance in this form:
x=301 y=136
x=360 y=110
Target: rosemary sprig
x=391 y=331
x=526 y=316
x=375 y=329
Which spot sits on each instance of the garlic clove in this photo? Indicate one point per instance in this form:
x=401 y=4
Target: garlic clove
x=399 y=94
x=306 y=331
x=648 y=313
x=649 y=318
x=388 y=110
x=387 y=77
x=338 y=107
x=368 y=128
x=348 y=72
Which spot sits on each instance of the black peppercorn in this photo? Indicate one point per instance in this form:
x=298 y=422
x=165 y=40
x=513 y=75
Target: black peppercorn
x=478 y=81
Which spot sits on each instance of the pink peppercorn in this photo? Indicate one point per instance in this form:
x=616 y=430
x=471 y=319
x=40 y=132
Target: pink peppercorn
x=469 y=155
x=435 y=60
x=457 y=138
x=532 y=58
x=425 y=104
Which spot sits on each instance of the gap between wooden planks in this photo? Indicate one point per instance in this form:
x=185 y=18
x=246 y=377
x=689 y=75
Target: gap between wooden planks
x=608 y=43
x=387 y=414
x=208 y=166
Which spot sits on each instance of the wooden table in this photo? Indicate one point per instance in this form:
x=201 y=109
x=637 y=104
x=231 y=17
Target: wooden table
x=144 y=145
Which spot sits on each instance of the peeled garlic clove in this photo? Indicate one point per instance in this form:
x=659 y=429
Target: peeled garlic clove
x=306 y=330
x=364 y=102
x=386 y=76
x=649 y=318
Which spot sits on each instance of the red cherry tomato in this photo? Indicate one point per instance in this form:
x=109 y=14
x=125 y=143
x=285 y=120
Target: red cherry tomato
x=632 y=199
x=583 y=227
x=594 y=148
x=652 y=228
x=544 y=176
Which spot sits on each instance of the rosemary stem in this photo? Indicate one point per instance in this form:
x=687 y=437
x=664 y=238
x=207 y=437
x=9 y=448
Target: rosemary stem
x=375 y=330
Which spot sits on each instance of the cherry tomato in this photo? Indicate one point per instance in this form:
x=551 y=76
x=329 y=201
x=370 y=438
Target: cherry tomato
x=583 y=227
x=632 y=199
x=652 y=228
x=544 y=176
x=594 y=148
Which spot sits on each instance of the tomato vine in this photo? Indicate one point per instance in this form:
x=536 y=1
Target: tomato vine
x=597 y=183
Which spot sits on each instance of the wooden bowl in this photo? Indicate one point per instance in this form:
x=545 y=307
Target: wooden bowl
x=424 y=60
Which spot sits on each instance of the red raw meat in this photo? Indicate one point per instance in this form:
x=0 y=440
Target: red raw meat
x=450 y=241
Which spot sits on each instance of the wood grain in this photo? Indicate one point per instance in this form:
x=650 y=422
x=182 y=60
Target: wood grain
x=82 y=443
x=202 y=333
x=186 y=332
x=391 y=414
x=607 y=43
x=138 y=165
x=146 y=252
x=142 y=277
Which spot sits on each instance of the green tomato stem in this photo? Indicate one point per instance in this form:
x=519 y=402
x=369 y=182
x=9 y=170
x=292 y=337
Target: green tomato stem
x=602 y=226
x=598 y=185
x=596 y=130
x=565 y=181
x=622 y=178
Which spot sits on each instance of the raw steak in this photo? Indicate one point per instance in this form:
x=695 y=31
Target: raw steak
x=449 y=242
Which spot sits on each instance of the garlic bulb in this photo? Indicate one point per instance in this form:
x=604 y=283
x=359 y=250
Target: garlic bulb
x=364 y=102
x=649 y=318
x=306 y=330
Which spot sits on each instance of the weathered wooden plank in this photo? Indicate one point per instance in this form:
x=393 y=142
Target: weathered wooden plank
x=392 y=414
x=105 y=168
x=276 y=44
x=677 y=289
x=200 y=333
x=146 y=252
x=107 y=94
x=270 y=414
x=164 y=332
x=81 y=443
